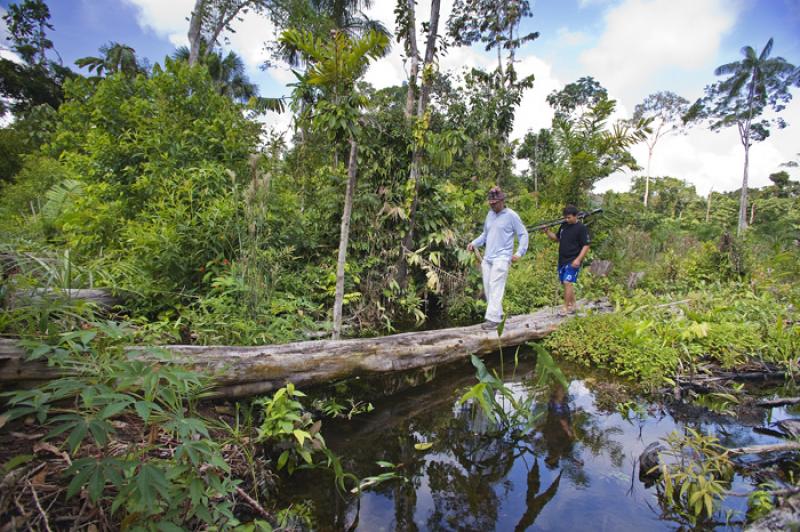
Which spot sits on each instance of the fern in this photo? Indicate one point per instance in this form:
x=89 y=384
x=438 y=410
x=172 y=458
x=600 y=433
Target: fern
x=59 y=197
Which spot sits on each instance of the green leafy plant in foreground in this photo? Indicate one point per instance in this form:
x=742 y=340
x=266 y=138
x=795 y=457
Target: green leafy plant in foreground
x=104 y=389
x=695 y=475
x=287 y=425
x=502 y=407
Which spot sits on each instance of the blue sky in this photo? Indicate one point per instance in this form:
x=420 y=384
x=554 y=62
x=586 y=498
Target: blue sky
x=633 y=47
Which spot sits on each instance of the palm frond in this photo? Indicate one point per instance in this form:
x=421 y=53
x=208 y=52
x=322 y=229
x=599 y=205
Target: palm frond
x=728 y=68
x=766 y=51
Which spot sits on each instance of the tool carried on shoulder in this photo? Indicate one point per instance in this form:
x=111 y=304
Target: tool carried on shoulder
x=552 y=223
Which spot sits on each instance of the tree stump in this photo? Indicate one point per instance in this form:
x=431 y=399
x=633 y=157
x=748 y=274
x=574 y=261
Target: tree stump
x=633 y=279
x=600 y=268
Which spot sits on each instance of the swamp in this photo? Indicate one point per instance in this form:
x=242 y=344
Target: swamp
x=243 y=284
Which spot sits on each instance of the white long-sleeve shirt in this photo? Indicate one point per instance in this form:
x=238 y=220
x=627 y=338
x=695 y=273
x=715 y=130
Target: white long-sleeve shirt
x=498 y=235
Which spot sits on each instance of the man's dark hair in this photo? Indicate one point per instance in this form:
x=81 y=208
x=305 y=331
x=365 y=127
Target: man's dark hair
x=570 y=209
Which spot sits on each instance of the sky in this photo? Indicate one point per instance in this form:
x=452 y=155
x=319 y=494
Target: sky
x=632 y=47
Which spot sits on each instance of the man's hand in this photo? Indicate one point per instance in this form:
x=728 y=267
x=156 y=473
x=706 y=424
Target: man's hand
x=514 y=258
x=470 y=247
x=576 y=263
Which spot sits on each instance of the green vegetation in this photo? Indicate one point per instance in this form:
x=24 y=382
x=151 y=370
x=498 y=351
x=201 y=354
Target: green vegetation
x=165 y=184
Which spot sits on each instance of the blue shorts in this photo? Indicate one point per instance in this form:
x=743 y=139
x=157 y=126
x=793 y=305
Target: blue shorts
x=568 y=274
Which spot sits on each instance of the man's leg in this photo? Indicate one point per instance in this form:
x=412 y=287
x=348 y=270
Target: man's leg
x=486 y=272
x=497 y=288
x=569 y=296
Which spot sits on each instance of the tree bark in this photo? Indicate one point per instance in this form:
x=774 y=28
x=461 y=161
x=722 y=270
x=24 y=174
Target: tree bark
x=343 y=238
x=416 y=159
x=647 y=178
x=781 y=401
x=413 y=56
x=195 y=31
x=245 y=371
x=743 y=196
x=761 y=449
x=745 y=136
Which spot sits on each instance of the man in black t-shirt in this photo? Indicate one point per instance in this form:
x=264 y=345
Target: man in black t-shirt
x=573 y=239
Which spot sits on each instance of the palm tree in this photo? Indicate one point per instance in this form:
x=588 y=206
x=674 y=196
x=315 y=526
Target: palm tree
x=334 y=67
x=755 y=83
x=116 y=57
x=227 y=71
x=322 y=17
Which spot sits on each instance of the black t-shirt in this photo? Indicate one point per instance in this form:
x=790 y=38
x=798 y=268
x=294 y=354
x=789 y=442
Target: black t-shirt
x=571 y=238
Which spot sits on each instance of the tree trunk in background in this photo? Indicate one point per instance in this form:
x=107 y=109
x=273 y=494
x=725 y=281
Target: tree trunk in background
x=343 y=237
x=647 y=178
x=416 y=160
x=195 y=31
x=413 y=56
x=743 y=196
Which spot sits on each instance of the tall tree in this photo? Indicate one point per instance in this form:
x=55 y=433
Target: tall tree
x=227 y=71
x=755 y=84
x=422 y=121
x=495 y=23
x=36 y=80
x=663 y=112
x=320 y=17
x=540 y=151
x=115 y=58
x=576 y=98
x=334 y=66
x=28 y=22
x=210 y=18
x=588 y=148
x=406 y=17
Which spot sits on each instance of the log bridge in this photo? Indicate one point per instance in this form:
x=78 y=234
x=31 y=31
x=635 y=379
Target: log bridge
x=247 y=371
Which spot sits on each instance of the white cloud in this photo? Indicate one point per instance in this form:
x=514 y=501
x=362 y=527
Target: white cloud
x=587 y=3
x=5 y=51
x=715 y=160
x=392 y=69
x=165 y=19
x=565 y=37
x=643 y=38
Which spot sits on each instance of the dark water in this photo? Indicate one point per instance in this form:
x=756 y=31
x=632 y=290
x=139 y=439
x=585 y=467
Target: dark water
x=577 y=471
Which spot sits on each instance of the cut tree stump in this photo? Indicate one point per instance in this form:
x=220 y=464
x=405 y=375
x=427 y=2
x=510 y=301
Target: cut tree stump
x=600 y=268
x=245 y=371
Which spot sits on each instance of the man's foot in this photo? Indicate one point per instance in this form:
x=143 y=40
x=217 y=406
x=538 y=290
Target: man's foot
x=566 y=312
x=489 y=324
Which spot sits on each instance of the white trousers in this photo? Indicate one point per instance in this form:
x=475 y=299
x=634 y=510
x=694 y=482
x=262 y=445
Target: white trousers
x=495 y=274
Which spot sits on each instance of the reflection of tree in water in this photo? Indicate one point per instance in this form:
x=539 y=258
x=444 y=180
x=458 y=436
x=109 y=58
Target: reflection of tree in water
x=468 y=469
x=463 y=490
x=534 y=501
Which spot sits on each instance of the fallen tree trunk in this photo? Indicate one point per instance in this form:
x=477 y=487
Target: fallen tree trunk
x=103 y=298
x=761 y=449
x=244 y=371
x=781 y=401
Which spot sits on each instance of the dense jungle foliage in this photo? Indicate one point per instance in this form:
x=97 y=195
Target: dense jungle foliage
x=167 y=186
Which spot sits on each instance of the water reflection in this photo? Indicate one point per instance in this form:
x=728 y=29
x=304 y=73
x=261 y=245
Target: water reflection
x=575 y=470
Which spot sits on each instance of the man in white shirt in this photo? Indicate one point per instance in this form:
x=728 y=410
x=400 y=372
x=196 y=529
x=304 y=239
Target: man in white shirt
x=499 y=229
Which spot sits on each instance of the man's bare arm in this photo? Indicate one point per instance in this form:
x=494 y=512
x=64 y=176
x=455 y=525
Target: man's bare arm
x=577 y=262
